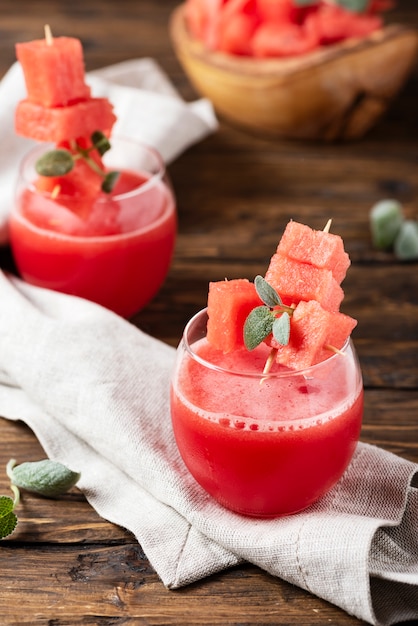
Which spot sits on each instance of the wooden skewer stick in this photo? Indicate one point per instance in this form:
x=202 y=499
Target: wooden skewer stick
x=327 y=226
x=332 y=348
x=270 y=360
x=48 y=35
x=268 y=364
x=55 y=192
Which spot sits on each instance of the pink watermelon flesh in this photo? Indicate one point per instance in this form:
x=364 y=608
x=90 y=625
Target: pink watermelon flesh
x=312 y=328
x=54 y=74
x=61 y=123
x=338 y=331
x=275 y=39
x=308 y=328
x=296 y=281
x=235 y=34
x=315 y=247
x=229 y=304
x=77 y=190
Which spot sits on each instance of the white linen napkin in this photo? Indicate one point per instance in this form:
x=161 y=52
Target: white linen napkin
x=95 y=391
x=145 y=102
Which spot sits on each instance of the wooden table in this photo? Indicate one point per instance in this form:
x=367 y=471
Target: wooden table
x=64 y=565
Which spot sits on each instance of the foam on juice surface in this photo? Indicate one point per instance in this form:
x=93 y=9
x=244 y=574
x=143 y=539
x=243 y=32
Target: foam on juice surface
x=278 y=403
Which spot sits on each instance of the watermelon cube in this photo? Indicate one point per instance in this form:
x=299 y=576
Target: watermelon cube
x=229 y=304
x=54 y=73
x=312 y=328
x=339 y=329
x=235 y=34
x=308 y=327
x=63 y=123
x=296 y=281
x=275 y=39
x=315 y=247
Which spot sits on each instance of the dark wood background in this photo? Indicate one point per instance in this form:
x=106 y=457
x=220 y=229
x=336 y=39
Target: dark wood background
x=66 y=566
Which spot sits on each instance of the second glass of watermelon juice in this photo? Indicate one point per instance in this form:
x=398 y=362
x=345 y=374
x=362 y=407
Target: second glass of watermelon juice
x=263 y=445
x=116 y=250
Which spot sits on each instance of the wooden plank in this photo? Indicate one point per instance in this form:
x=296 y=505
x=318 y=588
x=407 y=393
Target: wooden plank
x=96 y=584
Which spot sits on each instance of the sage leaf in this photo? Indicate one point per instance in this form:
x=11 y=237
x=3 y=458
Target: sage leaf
x=46 y=477
x=110 y=181
x=356 y=6
x=266 y=292
x=55 y=163
x=405 y=246
x=258 y=326
x=305 y=3
x=8 y=519
x=100 y=142
x=281 y=329
x=386 y=218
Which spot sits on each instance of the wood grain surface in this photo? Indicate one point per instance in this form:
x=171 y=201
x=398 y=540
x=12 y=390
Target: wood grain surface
x=65 y=566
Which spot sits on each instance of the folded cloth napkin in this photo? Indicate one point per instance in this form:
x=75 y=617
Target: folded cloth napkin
x=145 y=102
x=95 y=391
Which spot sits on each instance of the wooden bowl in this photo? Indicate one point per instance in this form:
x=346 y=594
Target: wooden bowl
x=336 y=93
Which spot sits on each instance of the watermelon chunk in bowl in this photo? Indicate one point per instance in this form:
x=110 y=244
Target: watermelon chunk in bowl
x=279 y=90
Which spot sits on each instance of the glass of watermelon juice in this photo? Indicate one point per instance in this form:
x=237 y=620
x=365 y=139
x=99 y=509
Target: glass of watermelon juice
x=114 y=249
x=263 y=445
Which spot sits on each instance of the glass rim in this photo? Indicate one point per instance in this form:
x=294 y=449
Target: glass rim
x=307 y=372
x=154 y=177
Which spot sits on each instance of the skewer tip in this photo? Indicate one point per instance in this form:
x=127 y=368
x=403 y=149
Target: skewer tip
x=327 y=226
x=328 y=346
x=48 y=35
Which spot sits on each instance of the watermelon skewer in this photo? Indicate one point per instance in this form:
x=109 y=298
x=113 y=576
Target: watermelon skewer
x=59 y=108
x=273 y=353
x=283 y=339
x=303 y=324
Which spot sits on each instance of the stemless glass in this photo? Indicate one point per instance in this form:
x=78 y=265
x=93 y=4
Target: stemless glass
x=116 y=253
x=263 y=444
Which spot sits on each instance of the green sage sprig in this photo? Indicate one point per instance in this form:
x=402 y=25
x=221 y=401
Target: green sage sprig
x=61 y=161
x=47 y=478
x=355 y=6
x=390 y=230
x=8 y=518
x=273 y=317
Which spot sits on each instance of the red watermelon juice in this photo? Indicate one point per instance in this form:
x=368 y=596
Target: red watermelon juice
x=114 y=249
x=263 y=445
